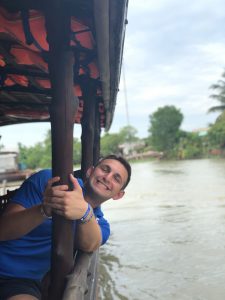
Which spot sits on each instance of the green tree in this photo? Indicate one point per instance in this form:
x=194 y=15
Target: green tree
x=219 y=87
x=110 y=144
x=40 y=155
x=190 y=146
x=216 y=134
x=164 y=128
x=128 y=134
x=76 y=151
x=46 y=159
x=37 y=156
x=110 y=141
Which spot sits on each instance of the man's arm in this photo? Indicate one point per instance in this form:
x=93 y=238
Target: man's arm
x=88 y=236
x=72 y=205
x=21 y=216
x=17 y=221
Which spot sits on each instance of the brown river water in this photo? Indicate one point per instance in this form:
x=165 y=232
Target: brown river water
x=167 y=234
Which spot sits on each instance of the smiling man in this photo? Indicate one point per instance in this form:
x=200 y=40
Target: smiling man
x=25 y=226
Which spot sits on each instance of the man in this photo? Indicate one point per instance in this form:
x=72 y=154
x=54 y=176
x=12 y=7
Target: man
x=25 y=226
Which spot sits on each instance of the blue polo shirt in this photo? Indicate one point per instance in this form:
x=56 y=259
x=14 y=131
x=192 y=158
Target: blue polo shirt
x=29 y=256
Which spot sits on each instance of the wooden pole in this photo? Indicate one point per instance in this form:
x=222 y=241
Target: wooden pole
x=97 y=135
x=63 y=109
x=62 y=165
x=88 y=125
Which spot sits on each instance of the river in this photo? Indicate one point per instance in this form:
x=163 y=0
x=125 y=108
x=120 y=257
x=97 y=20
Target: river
x=167 y=234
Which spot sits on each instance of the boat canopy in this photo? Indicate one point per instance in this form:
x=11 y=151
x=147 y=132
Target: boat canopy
x=96 y=38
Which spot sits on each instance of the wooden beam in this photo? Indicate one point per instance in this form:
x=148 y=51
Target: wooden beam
x=64 y=105
x=22 y=71
x=62 y=115
x=97 y=135
x=88 y=124
x=82 y=282
x=22 y=89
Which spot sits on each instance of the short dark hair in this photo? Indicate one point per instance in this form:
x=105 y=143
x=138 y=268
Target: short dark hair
x=123 y=161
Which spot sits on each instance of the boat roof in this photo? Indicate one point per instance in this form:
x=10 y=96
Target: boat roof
x=97 y=39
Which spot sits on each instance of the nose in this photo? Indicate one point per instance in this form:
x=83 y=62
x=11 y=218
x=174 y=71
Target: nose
x=107 y=177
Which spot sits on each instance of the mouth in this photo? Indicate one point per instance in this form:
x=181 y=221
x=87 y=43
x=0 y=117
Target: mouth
x=99 y=182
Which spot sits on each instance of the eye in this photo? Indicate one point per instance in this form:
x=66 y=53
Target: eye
x=105 y=169
x=117 y=179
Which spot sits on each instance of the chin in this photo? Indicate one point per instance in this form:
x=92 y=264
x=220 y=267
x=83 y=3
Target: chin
x=96 y=194
x=101 y=195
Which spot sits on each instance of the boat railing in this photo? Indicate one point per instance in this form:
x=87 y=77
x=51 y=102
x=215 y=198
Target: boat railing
x=82 y=282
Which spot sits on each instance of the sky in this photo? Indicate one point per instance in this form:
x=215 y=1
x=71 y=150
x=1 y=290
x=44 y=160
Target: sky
x=174 y=51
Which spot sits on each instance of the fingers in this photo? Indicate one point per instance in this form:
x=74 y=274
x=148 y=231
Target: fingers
x=52 y=190
x=49 y=200
x=61 y=201
x=75 y=182
x=59 y=212
x=53 y=180
x=60 y=209
x=56 y=206
x=62 y=187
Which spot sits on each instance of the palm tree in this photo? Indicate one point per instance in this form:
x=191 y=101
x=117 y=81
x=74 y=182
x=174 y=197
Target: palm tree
x=220 y=95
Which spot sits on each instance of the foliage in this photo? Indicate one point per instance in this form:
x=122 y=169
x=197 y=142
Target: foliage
x=39 y=155
x=219 y=87
x=190 y=146
x=110 y=142
x=216 y=134
x=165 y=136
x=164 y=128
x=76 y=151
x=128 y=134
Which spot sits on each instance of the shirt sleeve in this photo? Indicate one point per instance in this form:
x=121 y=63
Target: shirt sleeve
x=103 y=223
x=31 y=191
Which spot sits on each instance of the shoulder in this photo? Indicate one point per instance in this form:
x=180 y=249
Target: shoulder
x=41 y=176
x=40 y=179
x=80 y=181
x=31 y=191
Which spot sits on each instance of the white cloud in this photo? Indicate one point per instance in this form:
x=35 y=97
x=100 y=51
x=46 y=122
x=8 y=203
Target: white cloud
x=174 y=51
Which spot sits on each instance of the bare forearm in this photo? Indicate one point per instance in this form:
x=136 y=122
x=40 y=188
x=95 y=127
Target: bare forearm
x=88 y=236
x=15 y=224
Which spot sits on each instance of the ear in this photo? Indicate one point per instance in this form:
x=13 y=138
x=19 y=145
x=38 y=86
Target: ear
x=119 y=195
x=89 y=171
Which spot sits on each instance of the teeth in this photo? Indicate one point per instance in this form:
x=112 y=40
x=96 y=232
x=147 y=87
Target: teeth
x=107 y=188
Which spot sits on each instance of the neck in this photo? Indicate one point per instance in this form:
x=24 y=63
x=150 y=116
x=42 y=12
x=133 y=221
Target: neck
x=91 y=197
x=92 y=202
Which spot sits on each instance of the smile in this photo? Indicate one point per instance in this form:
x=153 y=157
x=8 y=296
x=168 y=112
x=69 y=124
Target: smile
x=102 y=183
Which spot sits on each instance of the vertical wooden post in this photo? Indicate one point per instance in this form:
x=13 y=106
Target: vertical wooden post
x=88 y=124
x=62 y=116
x=63 y=109
x=97 y=135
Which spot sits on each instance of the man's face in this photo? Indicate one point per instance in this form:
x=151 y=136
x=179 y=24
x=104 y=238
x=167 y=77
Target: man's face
x=107 y=179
